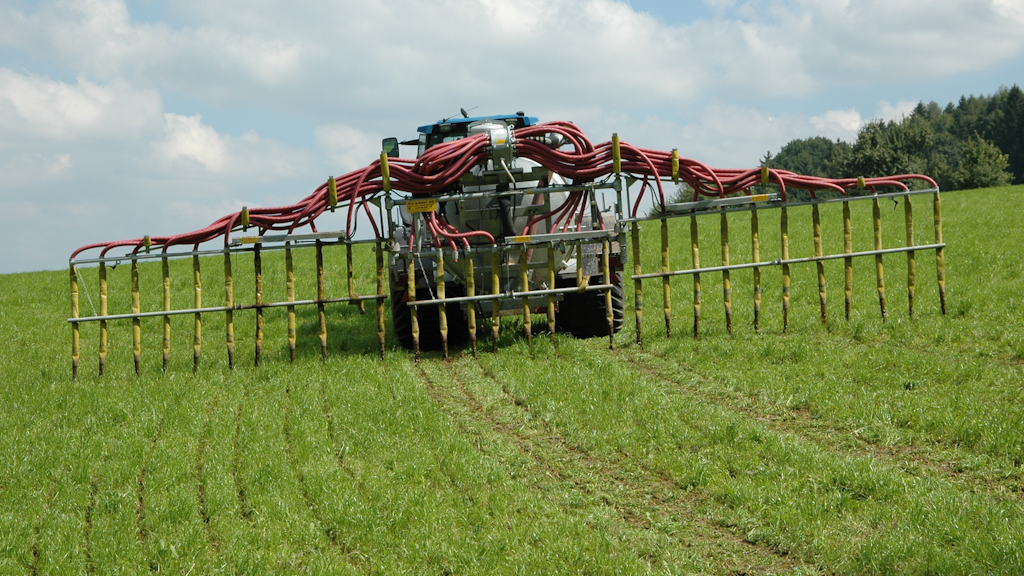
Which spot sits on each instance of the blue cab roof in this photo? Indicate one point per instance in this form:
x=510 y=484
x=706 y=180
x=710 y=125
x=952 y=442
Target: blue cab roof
x=430 y=128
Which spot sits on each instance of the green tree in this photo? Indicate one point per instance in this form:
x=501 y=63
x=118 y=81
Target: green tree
x=982 y=165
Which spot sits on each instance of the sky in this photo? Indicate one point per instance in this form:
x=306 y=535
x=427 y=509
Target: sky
x=123 y=119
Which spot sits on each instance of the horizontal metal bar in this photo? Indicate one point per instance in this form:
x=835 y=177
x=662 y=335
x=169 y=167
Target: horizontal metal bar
x=780 y=262
x=510 y=295
x=719 y=202
x=595 y=235
x=775 y=205
x=234 y=248
x=288 y=238
x=178 y=312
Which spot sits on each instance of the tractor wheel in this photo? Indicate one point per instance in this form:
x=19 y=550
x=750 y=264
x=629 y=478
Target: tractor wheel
x=430 y=323
x=583 y=314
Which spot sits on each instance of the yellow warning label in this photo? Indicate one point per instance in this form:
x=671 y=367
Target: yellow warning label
x=520 y=239
x=248 y=239
x=759 y=198
x=414 y=206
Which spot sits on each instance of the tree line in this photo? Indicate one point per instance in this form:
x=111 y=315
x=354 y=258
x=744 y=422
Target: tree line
x=977 y=143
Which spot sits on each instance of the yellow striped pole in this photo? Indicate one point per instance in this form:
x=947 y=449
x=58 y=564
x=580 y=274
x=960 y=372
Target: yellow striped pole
x=413 y=311
x=524 y=272
x=940 y=257
x=786 y=280
x=75 y=335
x=320 y=295
x=166 y=276
x=103 y=312
x=380 y=299
x=726 y=281
x=666 y=282
x=819 y=252
x=638 y=292
x=908 y=216
x=755 y=246
x=229 y=316
x=695 y=251
x=471 y=306
x=848 y=261
x=136 y=322
x=609 y=311
x=496 y=305
x=442 y=309
x=257 y=261
x=197 y=340
x=289 y=277
x=879 y=270
x=551 y=297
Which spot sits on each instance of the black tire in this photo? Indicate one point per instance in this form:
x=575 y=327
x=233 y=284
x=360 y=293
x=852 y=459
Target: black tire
x=584 y=314
x=430 y=323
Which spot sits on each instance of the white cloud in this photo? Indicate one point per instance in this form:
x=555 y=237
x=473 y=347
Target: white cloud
x=898 y=111
x=347 y=148
x=841 y=124
x=188 y=137
x=38 y=108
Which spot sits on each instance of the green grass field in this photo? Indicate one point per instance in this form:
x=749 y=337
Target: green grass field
x=854 y=447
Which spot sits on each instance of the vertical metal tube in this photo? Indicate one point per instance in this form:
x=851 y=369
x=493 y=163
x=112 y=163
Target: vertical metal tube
x=351 y=278
x=166 y=272
x=229 y=316
x=496 y=304
x=380 y=297
x=755 y=245
x=726 y=280
x=320 y=295
x=197 y=339
x=524 y=286
x=818 y=252
x=848 y=261
x=695 y=250
x=638 y=292
x=551 y=297
x=103 y=312
x=471 y=306
x=76 y=350
x=786 y=280
x=413 y=310
x=908 y=216
x=136 y=322
x=442 y=308
x=609 y=311
x=666 y=281
x=257 y=261
x=289 y=291
x=879 y=271
x=940 y=257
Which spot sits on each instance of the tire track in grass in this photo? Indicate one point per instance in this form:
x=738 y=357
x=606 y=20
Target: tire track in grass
x=314 y=510
x=51 y=491
x=94 y=488
x=140 y=494
x=909 y=459
x=241 y=493
x=202 y=446
x=645 y=507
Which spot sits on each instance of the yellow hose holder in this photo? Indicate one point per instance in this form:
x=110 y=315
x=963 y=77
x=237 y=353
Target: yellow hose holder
x=245 y=217
x=147 y=243
x=764 y=174
x=332 y=193
x=616 y=155
x=860 y=183
x=385 y=172
x=675 y=164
